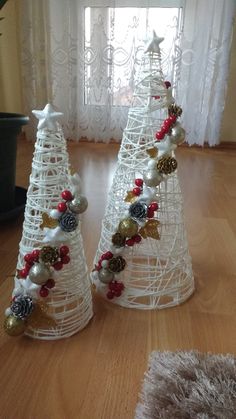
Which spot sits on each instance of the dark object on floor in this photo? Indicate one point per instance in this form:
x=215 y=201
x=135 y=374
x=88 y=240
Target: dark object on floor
x=20 y=200
x=10 y=127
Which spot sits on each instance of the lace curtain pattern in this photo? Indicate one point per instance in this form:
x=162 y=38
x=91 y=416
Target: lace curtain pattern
x=84 y=60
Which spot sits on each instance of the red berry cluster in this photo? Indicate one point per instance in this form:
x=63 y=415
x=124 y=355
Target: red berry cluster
x=30 y=259
x=165 y=128
x=115 y=289
x=151 y=209
x=34 y=256
x=64 y=258
x=105 y=256
x=133 y=240
x=139 y=187
x=67 y=196
x=44 y=290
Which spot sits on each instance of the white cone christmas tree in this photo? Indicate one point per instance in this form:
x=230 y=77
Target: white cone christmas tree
x=142 y=259
x=52 y=297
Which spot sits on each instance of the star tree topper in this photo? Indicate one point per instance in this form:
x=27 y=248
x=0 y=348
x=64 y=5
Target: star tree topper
x=154 y=44
x=47 y=117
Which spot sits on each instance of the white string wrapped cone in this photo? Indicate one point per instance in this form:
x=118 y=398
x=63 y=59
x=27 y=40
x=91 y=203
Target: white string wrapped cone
x=52 y=296
x=142 y=260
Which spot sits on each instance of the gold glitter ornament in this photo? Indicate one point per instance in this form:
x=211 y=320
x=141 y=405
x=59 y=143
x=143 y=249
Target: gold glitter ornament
x=40 y=317
x=14 y=326
x=150 y=230
x=166 y=165
x=152 y=152
x=130 y=197
x=128 y=227
x=49 y=254
x=48 y=222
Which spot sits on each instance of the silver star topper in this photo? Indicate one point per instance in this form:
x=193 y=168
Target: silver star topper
x=154 y=44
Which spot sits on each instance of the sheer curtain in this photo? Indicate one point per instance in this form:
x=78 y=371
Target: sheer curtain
x=83 y=60
x=205 y=51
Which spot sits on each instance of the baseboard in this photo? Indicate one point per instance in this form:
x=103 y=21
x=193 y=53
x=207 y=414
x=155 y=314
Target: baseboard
x=226 y=145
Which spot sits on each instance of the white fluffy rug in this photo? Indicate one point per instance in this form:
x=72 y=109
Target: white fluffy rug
x=188 y=385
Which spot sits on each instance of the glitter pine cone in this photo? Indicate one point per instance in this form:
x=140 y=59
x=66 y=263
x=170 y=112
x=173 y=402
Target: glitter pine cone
x=116 y=264
x=167 y=165
x=22 y=306
x=68 y=222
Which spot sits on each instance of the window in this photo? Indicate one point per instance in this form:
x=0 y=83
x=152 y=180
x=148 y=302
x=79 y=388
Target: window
x=114 y=44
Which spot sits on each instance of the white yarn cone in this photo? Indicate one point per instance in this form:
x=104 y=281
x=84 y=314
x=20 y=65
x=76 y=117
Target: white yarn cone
x=69 y=304
x=158 y=273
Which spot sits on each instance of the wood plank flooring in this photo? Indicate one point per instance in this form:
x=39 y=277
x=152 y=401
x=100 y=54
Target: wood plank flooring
x=97 y=373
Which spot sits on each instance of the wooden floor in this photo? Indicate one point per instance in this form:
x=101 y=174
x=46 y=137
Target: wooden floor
x=97 y=374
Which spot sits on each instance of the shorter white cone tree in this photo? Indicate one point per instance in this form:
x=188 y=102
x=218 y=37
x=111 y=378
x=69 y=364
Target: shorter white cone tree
x=51 y=298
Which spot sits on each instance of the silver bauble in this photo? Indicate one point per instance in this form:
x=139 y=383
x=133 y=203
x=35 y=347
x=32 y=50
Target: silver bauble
x=39 y=273
x=78 y=205
x=177 y=134
x=105 y=275
x=152 y=178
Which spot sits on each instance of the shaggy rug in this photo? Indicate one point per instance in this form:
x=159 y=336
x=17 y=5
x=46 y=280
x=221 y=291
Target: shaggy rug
x=188 y=385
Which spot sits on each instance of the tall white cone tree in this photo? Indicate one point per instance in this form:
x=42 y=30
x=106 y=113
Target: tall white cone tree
x=142 y=259
x=52 y=296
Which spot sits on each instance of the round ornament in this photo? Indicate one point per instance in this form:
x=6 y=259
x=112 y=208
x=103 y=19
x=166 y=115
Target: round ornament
x=116 y=264
x=128 y=227
x=68 y=222
x=14 y=326
x=177 y=134
x=39 y=273
x=78 y=205
x=49 y=254
x=105 y=275
x=22 y=306
x=151 y=164
x=152 y=178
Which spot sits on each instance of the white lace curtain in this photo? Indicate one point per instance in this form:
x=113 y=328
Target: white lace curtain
x=83 y=60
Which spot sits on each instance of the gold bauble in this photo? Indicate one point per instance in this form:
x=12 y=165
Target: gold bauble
x=152 y=178
x=14 y=326
x=39 y=273
x=128 y=227
x=177 y=135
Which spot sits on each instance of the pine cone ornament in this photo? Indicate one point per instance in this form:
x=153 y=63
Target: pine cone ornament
x=175 y=110
x=118 y=240
x=116 y=264
x=68 y=222
x=167 y=165
x=49 y=254
x=22 y=306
